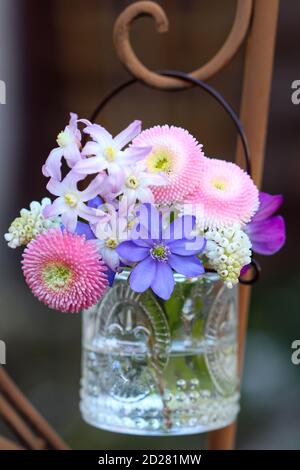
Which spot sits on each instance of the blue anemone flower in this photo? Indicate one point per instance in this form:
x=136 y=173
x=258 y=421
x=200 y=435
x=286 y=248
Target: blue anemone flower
x=159 y=251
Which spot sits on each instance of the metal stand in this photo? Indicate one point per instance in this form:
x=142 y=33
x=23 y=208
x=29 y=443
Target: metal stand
x=255 y=22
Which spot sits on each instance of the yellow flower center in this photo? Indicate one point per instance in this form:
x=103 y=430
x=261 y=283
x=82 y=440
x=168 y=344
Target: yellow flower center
x=64 y=138
x=111 y=243
x=132 y=182
x=56 y=276
x=160 y=253
x=220 y=184
x=131 y=223
x=160 y=160
x=71 y=199
x=110 y=153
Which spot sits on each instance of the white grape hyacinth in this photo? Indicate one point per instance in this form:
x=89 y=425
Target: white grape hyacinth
x=228 y=250
x=30 y=224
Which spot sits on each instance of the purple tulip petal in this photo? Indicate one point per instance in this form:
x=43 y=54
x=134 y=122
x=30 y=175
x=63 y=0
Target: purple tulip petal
x=163 y=282
x=126 y=136
x=187 y=247
x=268 y=205
x=142 y=275
x=130 y=251
x=189 y=266
x=267 y=236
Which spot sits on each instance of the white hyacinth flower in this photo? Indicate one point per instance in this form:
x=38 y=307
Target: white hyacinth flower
x=30 y=223
x=228 y=250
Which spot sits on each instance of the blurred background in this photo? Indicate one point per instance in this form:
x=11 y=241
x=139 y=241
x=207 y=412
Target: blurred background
x=57 y=57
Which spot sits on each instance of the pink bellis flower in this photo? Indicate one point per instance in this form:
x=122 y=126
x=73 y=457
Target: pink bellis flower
x=178 y=156
x=266 y=230
x=105 y=151
x=158 y=253
x=226 y=193
x=70 y=201
x=69 y=147
x=64 y=270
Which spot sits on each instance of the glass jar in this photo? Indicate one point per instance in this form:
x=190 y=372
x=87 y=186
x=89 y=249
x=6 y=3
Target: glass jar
x=155 y=367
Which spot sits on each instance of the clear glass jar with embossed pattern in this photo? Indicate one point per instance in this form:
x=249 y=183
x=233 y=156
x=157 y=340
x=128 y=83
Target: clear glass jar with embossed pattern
x=158 y=367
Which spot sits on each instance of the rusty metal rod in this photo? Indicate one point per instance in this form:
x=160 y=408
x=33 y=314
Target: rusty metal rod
x=131 y=62
x=17 y=398
x=254 y=117
x=7 y=444
x=19 y=426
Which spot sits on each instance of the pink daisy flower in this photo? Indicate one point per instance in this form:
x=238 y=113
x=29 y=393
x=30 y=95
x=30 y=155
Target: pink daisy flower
x=64 y=271
x=226 y=194
x=177 y=155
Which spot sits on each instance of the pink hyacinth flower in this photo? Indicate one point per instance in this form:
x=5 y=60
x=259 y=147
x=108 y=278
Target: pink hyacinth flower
x=70 y=201
x=64 y=270
x=69 y=141
x=107 y=153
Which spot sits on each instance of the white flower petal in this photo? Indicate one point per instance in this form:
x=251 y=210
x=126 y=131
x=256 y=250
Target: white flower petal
x=126 y=136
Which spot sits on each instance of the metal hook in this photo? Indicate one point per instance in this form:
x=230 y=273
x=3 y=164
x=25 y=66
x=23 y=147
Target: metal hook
x=129 y=59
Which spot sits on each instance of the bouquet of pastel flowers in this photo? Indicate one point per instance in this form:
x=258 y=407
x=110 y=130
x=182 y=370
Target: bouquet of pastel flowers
x=150 y=201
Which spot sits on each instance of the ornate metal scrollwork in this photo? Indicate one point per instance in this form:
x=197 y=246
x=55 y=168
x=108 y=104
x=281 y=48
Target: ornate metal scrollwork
x=129 y=59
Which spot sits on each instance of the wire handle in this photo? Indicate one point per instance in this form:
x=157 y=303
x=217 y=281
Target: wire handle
x=195 y=82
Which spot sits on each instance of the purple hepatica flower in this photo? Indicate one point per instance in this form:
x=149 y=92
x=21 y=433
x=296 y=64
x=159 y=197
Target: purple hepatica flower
x=70 y=201
x=69 y=147
x=84 y=229
x=267 y=231
x=107 y=151
x=157 y=257
x=95 y=202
